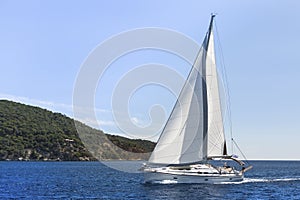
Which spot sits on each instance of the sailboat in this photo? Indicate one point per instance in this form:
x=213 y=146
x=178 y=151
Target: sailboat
x=193 y=136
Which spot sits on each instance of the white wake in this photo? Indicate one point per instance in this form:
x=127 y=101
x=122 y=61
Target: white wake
x=262 y=180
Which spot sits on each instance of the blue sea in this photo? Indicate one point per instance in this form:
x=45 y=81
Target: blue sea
x=94 y=180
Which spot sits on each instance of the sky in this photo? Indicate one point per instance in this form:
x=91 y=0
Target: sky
x=44 y=45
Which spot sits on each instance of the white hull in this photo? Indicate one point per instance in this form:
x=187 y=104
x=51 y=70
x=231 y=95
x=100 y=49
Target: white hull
x=156 y=177
x=193 y=174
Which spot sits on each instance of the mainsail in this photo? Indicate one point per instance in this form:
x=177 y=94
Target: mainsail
x=195 y=130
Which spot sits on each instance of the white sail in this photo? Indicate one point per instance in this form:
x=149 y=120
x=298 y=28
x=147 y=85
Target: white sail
x=182 y=137
x=194 y=129
x=216 y=137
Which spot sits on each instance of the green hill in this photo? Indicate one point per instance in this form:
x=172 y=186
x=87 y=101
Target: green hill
x=33 y=133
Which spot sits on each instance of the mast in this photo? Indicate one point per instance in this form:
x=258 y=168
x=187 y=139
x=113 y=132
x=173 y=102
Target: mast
x=204 y=91
x=210 y=29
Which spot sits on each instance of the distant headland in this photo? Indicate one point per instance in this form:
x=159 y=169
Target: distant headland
x=30 y=133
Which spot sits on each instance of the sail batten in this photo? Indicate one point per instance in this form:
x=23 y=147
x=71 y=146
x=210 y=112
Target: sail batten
x=194 y=130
